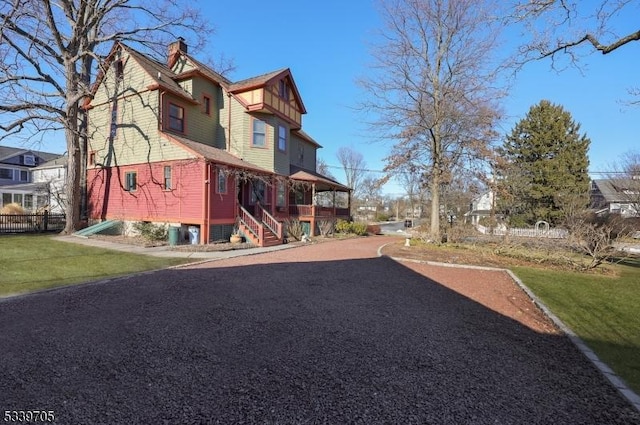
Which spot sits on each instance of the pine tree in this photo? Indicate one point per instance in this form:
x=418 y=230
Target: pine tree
x=544 y=175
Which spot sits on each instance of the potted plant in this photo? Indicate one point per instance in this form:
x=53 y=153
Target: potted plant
x=235 y=236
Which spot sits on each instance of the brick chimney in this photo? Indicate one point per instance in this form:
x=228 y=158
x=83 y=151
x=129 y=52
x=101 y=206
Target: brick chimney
x=174 y=50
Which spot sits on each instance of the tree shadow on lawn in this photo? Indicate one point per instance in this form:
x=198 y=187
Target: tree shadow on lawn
x=353 y=341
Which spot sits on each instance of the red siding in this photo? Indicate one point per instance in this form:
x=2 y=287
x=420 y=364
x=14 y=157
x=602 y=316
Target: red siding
x=108 y=199
x=223 y=205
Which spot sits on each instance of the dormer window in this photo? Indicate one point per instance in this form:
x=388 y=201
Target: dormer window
x=28 y=160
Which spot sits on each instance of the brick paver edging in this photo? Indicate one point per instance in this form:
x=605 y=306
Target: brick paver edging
x=615 y=380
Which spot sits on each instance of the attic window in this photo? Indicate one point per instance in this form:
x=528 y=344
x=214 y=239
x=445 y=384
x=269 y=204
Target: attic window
x=283 y=89
x=28 y=160
x=119 y=70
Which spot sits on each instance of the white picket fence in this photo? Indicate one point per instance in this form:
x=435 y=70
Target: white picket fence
x=526 y=233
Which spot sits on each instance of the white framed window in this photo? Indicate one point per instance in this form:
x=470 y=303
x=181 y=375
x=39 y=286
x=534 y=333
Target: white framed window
x=130 y=181
x=259 y=138
x=167 y=178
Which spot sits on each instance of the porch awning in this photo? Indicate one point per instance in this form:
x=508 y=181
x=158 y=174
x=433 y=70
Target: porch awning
x=322 y=183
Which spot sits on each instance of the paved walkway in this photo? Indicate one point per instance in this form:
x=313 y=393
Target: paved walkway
x=323 y=334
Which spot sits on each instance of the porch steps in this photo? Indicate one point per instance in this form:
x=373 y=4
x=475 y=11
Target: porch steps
x=270 y=239
x=97 y=228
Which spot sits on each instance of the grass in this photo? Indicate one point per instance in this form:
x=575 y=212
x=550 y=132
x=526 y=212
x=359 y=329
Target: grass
x=35 y=262
x=602 y=310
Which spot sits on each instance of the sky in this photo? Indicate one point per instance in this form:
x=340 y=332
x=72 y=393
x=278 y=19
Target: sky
x=326 y=45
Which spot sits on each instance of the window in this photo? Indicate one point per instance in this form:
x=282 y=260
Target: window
x=283 y=89
x=6 y=198
x=167 y=178
x=17 y=198
x=282 y=138
x=119 y=70
x=257 y=192
x=206 y=104
x=28 y=159
x=6 y=173
x=28 y=202
x=24 y=176
x=280 y=194
x=259 y=133
x=221 y=187
x=176 y=118
x=299 y=197
x=92 y=159
x=130 y=181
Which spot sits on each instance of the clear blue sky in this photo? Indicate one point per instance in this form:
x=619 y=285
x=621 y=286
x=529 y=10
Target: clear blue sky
x=325 y=44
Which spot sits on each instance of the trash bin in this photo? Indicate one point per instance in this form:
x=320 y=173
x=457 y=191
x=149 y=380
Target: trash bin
x=174 y=235
x=408 y=223
x=194 y=235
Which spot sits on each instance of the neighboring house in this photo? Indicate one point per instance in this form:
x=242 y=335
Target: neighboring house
x=50 y=179
x=178 y=144
x=17 y=184
x=616 y=196
x=481 y=207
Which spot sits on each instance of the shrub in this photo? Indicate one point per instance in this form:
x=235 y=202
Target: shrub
x=359 y=229
x=326 y=227
x=343 y=226
x=150 y=231
x=294 y=228
x=383 y=217
x=13 y=209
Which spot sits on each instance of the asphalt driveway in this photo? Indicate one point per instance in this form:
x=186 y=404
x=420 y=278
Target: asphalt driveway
x=323 y=334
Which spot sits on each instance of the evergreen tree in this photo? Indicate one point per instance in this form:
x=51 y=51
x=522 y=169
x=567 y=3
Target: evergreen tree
x=544 y=167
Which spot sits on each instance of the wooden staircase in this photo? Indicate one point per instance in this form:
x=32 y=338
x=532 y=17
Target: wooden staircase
x=264 y=232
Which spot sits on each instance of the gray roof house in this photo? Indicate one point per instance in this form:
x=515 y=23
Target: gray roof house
x=616 y=196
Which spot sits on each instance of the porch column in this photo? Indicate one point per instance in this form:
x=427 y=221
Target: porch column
x=334 y=202
x=312 y=224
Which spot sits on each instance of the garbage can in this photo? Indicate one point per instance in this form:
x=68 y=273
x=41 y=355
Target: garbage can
x=174 y=235
x=408 y=223
x=194 y=235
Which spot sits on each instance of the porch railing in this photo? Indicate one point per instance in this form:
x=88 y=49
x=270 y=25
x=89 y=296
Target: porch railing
x=270 y=221
x=317 y=211
x=251 y=223
x=23 y=223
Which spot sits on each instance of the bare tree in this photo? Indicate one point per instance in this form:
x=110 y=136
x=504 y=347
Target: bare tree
x=354 y=165
x=48 y=53
x=323 y=168
x=431 y=88
x=562 y=27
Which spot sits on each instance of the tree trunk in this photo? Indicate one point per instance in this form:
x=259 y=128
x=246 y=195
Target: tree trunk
x=434 y=232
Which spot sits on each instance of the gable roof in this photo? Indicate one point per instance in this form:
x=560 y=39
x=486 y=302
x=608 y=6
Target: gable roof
x=266 y=79
x=7 y=152
x=612 y=189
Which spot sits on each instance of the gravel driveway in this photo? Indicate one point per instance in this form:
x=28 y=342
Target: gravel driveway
x=322 y=334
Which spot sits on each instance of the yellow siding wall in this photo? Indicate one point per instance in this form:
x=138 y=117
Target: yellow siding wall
x=263 y=157
x=136 y=137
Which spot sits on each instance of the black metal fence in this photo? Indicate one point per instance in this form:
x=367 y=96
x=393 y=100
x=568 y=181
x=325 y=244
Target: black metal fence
x=29 y=223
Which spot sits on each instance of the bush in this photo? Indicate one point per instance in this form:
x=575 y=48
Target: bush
x=294 y=228
x=150 y=231
x=326 y=227
x=383 y=217
x=347 y=227
x=13 y=209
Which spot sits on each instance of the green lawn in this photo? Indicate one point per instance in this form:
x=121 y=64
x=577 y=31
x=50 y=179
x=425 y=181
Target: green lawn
x=603 y=311
x=33 y=262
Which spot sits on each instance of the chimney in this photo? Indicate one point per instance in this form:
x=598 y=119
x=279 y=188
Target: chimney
x=175 y=48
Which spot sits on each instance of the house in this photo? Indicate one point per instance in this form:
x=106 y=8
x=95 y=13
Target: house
x=17 y=183
x=175 y=143
x=616 y=196
x=50 y=179
x=481 y=206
